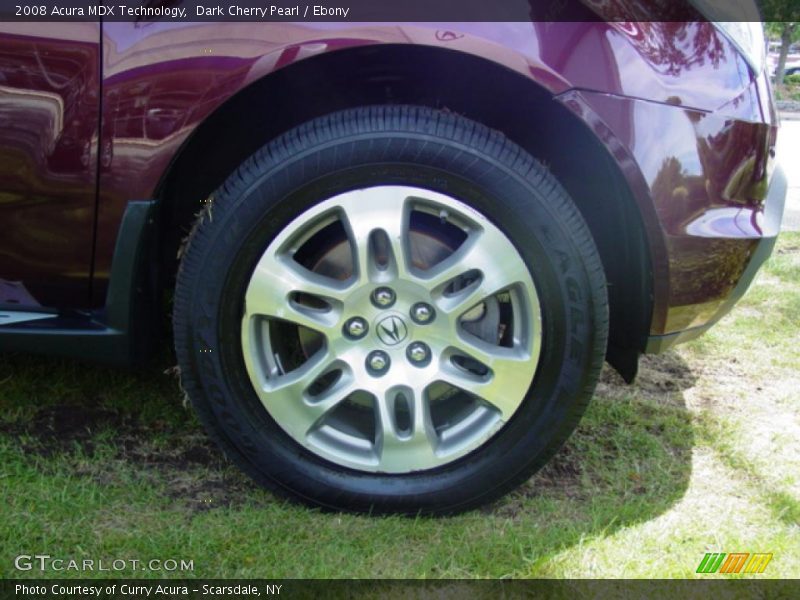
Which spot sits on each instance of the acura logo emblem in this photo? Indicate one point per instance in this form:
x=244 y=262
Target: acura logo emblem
x=392 y=330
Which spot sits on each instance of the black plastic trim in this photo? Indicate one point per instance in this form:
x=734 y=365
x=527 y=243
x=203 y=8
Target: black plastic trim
x=123 y=332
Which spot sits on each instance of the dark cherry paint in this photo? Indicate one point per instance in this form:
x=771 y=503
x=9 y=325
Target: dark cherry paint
x=49 y=95
x=674 y=103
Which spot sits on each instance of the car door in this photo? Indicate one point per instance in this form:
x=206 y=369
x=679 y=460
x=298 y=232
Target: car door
x=49 y=107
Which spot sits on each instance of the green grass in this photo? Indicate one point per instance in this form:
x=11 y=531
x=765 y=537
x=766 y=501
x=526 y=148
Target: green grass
x=790 y=89
x=702 y=454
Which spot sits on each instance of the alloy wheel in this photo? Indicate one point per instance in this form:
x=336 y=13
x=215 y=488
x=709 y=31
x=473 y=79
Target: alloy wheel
x=391 y=329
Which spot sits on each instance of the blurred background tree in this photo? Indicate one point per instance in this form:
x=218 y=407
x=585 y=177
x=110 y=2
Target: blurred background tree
x=785 y=27
x=787 y=32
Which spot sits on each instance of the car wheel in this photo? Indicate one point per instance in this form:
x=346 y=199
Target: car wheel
x=390 y=309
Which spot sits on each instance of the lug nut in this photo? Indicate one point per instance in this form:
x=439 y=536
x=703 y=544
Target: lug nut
x=383 y=297
x=356 y=328
x=422 y=313
x=378 y=362
x=418 y=353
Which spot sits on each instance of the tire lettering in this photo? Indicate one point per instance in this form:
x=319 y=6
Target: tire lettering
x=573 y=290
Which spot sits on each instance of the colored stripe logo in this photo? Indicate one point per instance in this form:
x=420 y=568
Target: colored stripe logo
x=736 y=562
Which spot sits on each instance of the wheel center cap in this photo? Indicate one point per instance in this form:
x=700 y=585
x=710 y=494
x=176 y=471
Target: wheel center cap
x=392 y=330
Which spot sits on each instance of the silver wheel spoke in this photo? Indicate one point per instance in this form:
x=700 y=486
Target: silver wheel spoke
x=295 y=382
x=320 y=406
x=277 y=280
x=483 y=254
x=287 y=399
x=367 y=214
x=401 y=449
x=469 y=256
x=501 y=387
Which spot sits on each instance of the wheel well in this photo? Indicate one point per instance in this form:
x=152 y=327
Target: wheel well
x=442 y=79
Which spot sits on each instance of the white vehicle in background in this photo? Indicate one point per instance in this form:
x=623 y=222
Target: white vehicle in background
x=793 y=67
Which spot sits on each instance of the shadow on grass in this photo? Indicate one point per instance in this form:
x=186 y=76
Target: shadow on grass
x=628 y=462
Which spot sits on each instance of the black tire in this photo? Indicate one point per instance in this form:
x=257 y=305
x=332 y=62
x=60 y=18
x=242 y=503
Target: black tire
x=383 y=145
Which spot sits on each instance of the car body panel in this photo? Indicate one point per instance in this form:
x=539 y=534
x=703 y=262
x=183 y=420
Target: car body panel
x=706 y=176
x=698 y=176
x=49 y=95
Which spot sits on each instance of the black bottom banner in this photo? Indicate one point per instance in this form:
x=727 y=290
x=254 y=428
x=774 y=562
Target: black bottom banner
x=191 y=589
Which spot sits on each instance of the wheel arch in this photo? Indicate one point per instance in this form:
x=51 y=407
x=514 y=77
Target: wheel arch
x=444 y=79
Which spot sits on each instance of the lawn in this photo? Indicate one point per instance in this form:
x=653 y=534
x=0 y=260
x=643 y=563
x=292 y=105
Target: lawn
x=701 y=455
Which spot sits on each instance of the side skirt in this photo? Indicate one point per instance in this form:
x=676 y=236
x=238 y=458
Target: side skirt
x=124 y=331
